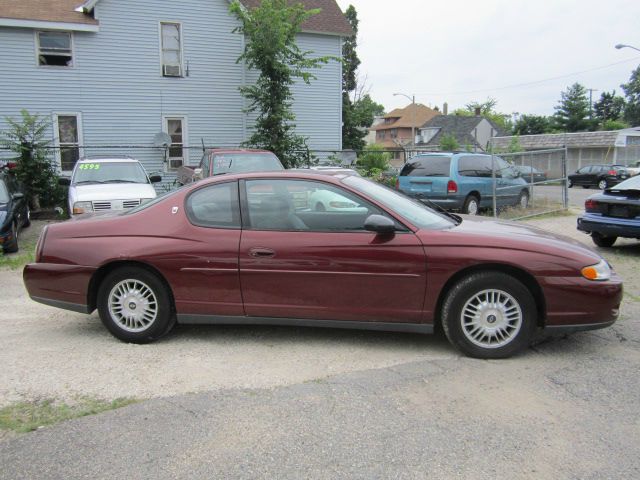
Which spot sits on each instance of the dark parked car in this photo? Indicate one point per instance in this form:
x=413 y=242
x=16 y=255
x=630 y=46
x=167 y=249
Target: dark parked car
x=250 y=249
x=613 y=213
x=601 y=176
x=462 y=181
x=14 y=211
x=531 y=174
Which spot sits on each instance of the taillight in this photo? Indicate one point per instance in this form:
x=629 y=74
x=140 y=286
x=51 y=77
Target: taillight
x=590 y=205
x=613 y=172
x=452 y=187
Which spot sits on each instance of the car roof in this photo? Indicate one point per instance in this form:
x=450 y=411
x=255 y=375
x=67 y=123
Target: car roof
x=285 y=174
x=108 y=159
x=236 y=150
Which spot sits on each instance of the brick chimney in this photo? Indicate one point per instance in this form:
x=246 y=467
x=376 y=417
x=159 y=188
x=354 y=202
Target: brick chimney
x=445 y=108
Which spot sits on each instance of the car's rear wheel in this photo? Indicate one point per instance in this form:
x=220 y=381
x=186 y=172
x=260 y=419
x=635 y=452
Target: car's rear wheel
x=471 y=205
x=602 y=241
x=603 y=184
x=489 y=315
x=135 y=305
x=523 y=199
x=12 y=246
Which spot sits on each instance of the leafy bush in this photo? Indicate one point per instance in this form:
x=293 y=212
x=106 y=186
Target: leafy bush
x=27 y=139
x=374 y=158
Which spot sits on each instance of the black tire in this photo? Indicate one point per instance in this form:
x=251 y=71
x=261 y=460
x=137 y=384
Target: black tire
x=513 y=292
x=471 y=205
x=27 y=222
x=585 y=186
x=320 y=207
x=164 y=319
x=603 y=184
x=523 y=200
x=12 y=246
x=602 y=241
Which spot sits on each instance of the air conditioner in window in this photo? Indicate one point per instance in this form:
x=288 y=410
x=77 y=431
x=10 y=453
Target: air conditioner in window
x=171 y=70
x=175 y=163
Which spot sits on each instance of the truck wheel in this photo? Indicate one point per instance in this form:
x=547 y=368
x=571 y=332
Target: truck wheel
x=602 y=241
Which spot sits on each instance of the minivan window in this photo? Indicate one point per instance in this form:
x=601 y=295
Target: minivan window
x=432 y=166
x=474 y=166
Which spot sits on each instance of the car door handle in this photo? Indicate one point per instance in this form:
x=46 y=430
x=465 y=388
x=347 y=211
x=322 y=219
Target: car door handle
x=261 y=252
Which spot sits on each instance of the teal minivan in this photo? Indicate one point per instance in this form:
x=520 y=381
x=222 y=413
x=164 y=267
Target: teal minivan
x=462 y=181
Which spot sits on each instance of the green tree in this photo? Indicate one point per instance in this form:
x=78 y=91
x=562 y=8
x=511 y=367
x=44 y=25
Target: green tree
x=449 y=143
x=27 y=138
x=532 y=125
x=488 y=111
x=614 y=125
x=374 y=160
x=632 y=92
x=572 y=113
x=609 y=107
x=358 y=109
x=270 y=48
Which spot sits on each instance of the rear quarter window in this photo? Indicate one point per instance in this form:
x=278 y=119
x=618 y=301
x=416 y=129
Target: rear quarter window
x=427 y=167
x=474 y=166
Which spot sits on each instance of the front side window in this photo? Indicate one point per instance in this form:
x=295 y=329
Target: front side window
x=68 y=141
x=298 y=205
x=175 y=127
x=215 y=206
x=55 y=49
x=171 y=46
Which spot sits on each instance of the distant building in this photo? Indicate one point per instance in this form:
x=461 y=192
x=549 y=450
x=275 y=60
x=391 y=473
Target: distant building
x=394 y=132
x=472 y=133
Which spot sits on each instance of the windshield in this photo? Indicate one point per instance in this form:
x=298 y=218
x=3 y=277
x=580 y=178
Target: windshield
x=414 y=211
x=109 y=172
x=4 y=194
x=432 y=166
x=245 y=162
x=631 y=184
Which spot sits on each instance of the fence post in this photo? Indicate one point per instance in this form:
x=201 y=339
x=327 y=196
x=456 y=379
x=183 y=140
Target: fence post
x=565 y=185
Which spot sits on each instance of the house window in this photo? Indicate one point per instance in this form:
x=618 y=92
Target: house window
x=171 y=46
x=68 y=141
x=394 y=133
x=55 y=49
x=176 y=128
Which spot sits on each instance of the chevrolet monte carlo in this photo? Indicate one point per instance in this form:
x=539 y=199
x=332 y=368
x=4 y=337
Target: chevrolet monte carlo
x=252 y=249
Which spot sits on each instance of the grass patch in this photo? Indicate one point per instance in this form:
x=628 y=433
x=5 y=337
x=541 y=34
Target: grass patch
x=26 y=254
x=25 y=417
x=632 y=297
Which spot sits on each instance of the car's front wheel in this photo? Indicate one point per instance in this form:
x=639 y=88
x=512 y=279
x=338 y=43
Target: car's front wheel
x=602 y=241
x=523 y=199
x=569 y=183
x=12 y=246
x=135 y=305
x=489 y=315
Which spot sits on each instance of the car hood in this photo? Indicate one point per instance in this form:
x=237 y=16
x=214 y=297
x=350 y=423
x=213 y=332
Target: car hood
x=113 y=191
x=500 y=234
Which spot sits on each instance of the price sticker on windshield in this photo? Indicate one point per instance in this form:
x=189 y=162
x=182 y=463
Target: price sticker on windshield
x=89 y=166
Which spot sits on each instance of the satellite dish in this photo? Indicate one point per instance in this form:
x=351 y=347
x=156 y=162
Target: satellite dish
x=162 y=139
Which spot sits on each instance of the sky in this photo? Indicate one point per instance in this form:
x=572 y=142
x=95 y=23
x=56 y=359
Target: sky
x=458 y=51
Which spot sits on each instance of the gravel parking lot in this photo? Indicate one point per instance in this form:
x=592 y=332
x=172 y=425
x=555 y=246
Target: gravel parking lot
x=51 y=353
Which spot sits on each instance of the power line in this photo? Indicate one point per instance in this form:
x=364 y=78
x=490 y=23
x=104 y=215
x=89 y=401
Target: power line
x=536 y=82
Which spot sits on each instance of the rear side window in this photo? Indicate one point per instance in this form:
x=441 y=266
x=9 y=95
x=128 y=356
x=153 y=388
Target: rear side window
x=474 y=166
x=427 y=167
x=215 y=206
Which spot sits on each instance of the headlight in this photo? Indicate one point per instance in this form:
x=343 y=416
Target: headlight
x=82 y=207
x=599 y=271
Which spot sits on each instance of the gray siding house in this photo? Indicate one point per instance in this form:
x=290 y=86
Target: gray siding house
x=117 y=72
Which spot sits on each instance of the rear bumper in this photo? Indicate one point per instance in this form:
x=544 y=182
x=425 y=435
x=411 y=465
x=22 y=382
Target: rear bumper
x=58 y=285
x=609 y=226
x=450 y=202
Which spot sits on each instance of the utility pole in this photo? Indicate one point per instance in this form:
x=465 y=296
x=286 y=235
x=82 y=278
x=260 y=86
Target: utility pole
x=591 y=90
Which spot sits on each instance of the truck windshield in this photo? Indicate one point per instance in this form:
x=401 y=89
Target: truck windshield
x=109 y=172
x=245 y=162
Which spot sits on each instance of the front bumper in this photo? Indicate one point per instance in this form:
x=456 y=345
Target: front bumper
x=609 y=226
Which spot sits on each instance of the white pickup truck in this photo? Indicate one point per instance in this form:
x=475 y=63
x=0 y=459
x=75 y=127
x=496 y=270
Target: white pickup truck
x=218 y=161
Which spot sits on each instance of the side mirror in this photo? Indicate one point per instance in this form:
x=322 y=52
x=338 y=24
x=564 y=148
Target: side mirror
x=64 y=181
x=379 y=224
x=18 y=196
x=155 y=178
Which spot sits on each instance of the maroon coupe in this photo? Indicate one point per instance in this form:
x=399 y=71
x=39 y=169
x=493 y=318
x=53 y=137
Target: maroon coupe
x=253 y=249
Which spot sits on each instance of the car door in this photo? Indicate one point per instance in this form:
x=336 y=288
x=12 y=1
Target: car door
x=582 y=176
x=300 y=262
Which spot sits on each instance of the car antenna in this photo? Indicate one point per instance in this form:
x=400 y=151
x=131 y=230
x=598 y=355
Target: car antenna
x=203 y=148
